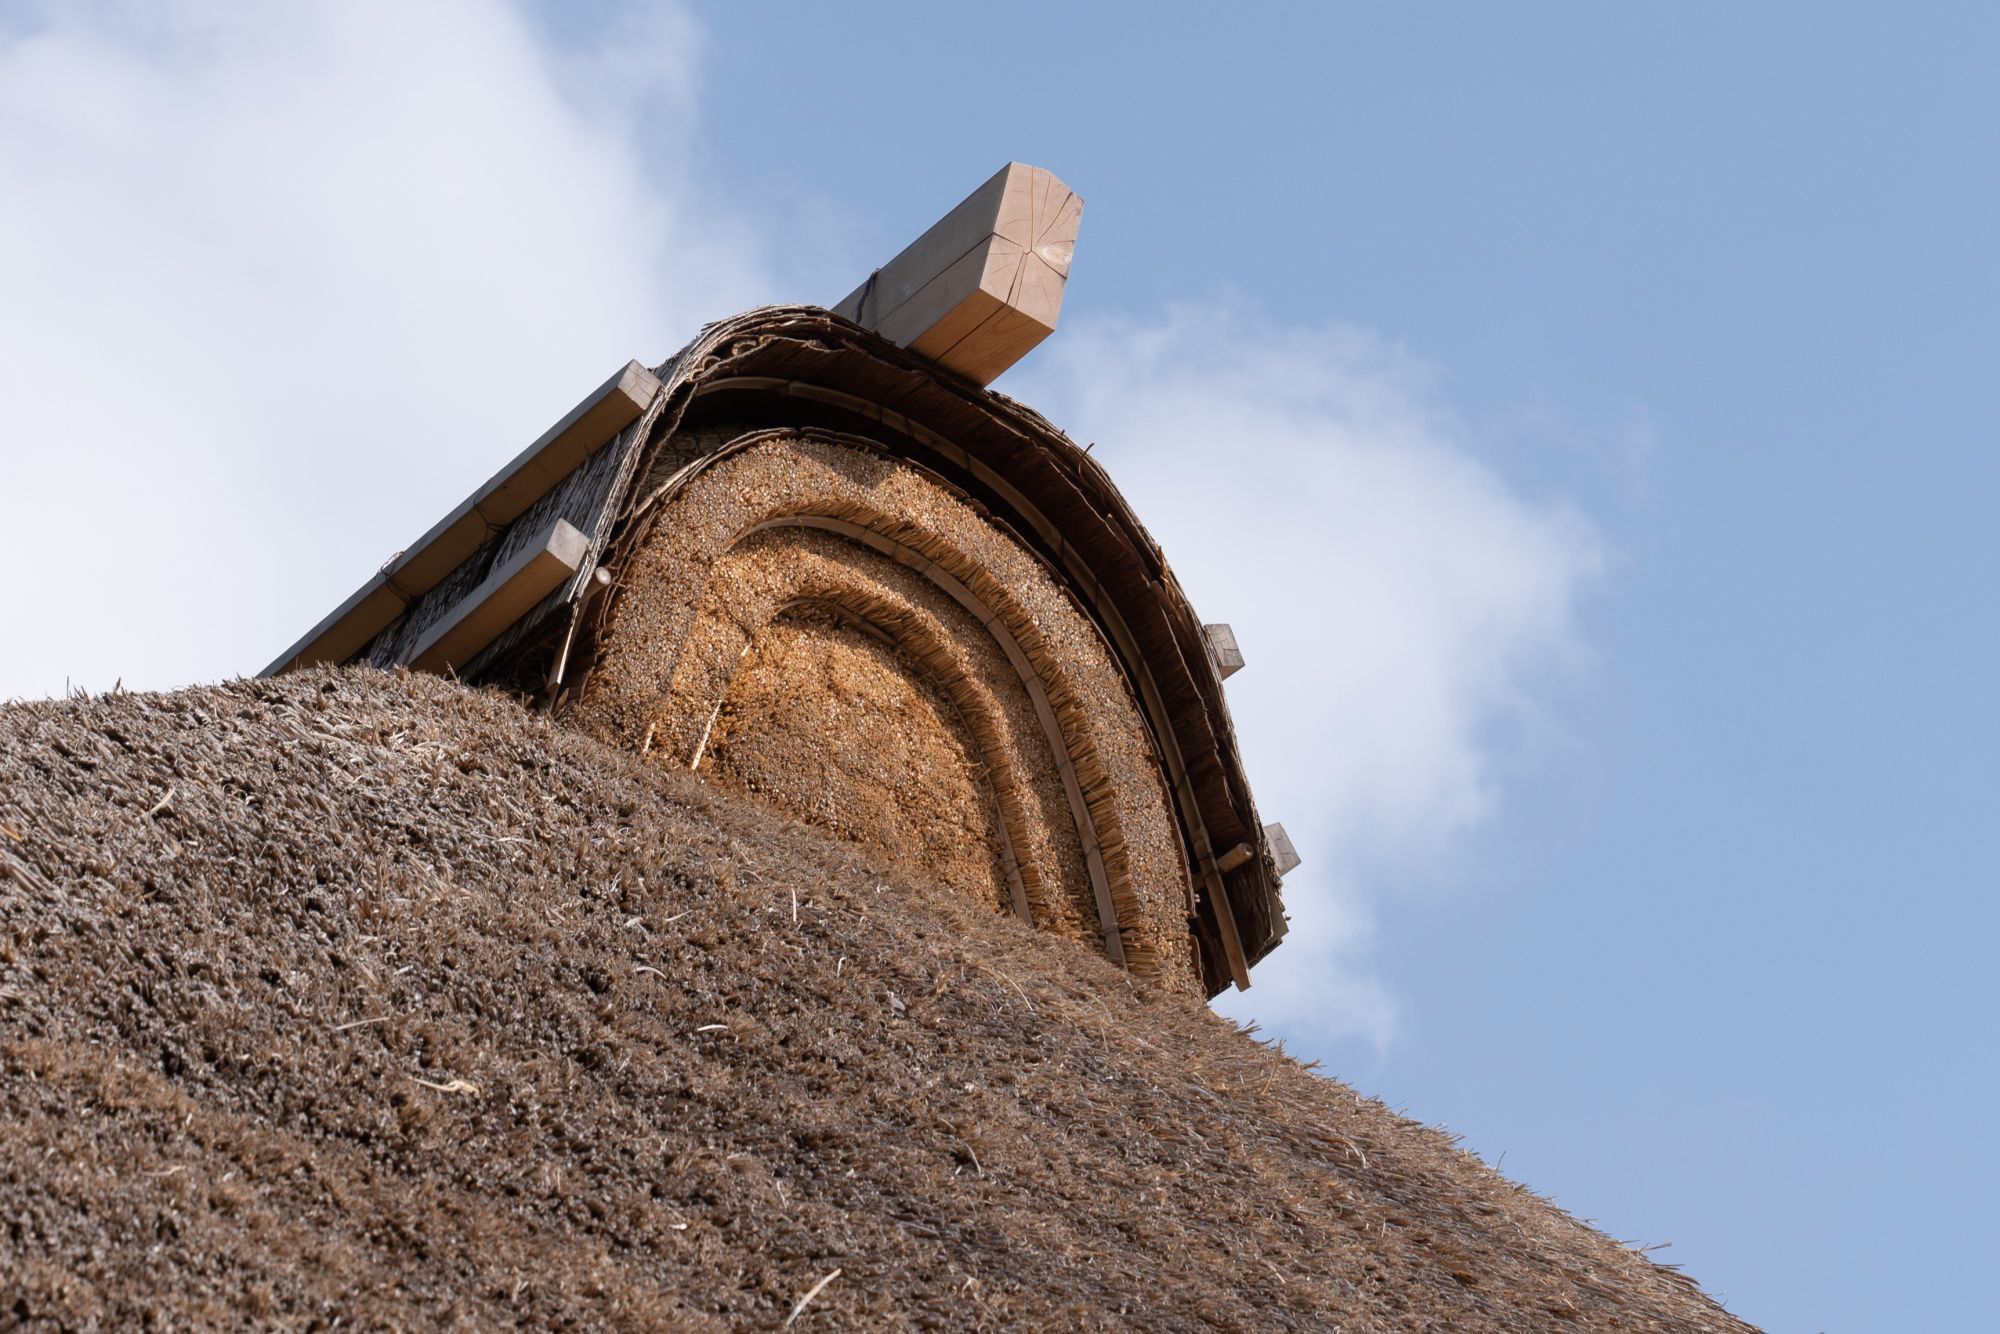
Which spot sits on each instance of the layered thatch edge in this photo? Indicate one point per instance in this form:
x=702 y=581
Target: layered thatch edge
x=1131 y=847
x=802 y=365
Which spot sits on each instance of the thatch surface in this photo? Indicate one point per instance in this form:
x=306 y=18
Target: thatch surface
x=362 y=996
x=702 y=582
x=830 y=724
x=820 y=369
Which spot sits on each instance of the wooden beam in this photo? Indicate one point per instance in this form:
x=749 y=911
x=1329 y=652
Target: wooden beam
x=507 y=594
x=1282 y=851
x=1222 y=648
x=984 y=285
x=1234 y=858
x=1225 y=926
x=609 y=409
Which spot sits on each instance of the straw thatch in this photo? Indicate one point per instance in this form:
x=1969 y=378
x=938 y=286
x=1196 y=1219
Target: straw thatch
x=1183 y=880
x=366 y=999
x=777 y=517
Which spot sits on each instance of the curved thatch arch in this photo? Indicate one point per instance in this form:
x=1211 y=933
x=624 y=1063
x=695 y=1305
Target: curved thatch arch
x=542 y=580
x=1020 y=883
x=933 y=651
x=801 y=367
x=666 y=646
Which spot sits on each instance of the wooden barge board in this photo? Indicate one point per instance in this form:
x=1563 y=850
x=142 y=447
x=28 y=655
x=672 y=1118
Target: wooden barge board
x=534 y=572
x=607 y=410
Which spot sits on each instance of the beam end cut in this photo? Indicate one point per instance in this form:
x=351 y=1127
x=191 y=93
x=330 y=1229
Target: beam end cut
x=984 y=285
x=1282 y=852
x=1222 y=648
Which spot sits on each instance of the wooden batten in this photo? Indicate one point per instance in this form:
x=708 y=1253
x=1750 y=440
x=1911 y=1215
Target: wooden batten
x=536 y=571
x=984 y=285
x=609 y=409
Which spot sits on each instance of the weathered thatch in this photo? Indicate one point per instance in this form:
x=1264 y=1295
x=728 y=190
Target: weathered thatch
x=366 y=998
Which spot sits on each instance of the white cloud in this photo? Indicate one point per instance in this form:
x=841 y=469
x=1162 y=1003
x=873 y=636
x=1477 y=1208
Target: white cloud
x=279 y=280
x=1395 y=600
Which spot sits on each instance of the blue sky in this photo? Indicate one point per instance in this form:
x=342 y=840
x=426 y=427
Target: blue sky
x=1610 y=518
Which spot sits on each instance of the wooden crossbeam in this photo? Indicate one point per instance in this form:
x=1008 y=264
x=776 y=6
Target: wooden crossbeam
x=477 y=619
x=609 y=409
x=984 y=285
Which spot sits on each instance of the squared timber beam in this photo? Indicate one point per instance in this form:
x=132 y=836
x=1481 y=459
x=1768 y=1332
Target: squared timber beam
x=609 y=409
x=507 y=594
x=1283 y=853
x=1222 y=648
x=984 y=285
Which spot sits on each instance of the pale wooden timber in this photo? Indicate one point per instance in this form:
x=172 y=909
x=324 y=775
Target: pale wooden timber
x=609 y=409
x=1206 y=877
x=1234 y=858
x=1220 y=905
x=534 y=572
x=984 y=285
x=1282 y=851
x=1222 y=647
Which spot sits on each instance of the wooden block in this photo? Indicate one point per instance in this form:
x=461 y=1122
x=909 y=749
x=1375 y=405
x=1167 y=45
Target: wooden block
x=1222 y=648
x=1282 y=851
x=984 y=285
x=505 y=595
x=609 y=409
x=1234 y=858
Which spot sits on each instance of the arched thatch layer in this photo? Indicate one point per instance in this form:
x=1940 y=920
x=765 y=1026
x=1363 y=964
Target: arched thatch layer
x=781 y=517
x=833 y=719
x=512 y=586
x=801 y=366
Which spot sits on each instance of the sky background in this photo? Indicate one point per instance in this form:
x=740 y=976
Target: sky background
x=1584 y=414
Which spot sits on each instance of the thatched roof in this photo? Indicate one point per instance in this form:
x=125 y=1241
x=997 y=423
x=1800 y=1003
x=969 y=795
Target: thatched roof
x=801 y=365
x=366 y=996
